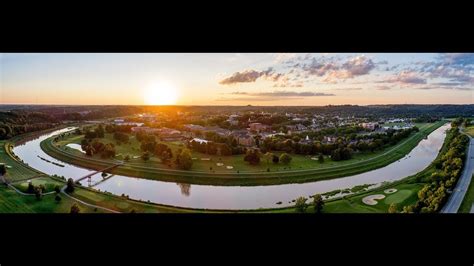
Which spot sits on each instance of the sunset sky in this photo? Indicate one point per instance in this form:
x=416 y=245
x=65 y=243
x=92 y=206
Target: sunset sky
x=236 y=79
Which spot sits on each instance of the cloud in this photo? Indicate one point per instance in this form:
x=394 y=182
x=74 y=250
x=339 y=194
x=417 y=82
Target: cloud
x=248 y=76
x=457 y=59
x=406 y=78
x=383 y=88
x=284 y=57
x=334 y=68
x=359 y=65
x=348 y=89
x=434 y=87
x=318 y=67
x=284 y=94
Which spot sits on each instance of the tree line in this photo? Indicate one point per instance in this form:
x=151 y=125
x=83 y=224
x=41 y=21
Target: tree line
x=448 y=169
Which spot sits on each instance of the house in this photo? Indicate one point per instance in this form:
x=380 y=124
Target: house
x=258 y=127
x=370 y=126
x=192 y=127
x=201 y=141
x=243 y=138
x=169 y=134
x=296 y=128
x=329 y=139
x=148 y=130
x=233 y=120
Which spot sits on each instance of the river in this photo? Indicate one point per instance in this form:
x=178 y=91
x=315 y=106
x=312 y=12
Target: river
x=232 y=197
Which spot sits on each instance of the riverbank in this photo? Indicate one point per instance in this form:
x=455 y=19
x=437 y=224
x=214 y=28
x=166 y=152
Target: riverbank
x=245 y=179
x=122 y=204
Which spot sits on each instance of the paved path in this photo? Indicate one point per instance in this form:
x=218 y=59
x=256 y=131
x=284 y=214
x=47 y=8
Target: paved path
x=455 y=200
x=3 y=179
x=85 y=203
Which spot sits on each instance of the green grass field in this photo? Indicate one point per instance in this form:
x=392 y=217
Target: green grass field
x=470 y=131
x=468 y=200
x=49 y=184
x=12 y=202
x=15 y=169
x=121 y=204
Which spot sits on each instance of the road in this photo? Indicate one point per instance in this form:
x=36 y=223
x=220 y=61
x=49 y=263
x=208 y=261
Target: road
x=455 y=200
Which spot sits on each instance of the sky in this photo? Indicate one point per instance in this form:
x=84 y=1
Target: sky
x=236 y=78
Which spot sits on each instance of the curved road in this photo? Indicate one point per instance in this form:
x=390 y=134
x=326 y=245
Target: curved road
x=456 y=198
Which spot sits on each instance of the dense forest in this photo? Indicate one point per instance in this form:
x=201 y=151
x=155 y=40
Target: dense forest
x=20 y=122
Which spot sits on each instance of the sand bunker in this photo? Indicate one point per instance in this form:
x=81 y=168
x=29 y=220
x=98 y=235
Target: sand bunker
x=390 y=190
x=229 y=167
x=219 y=164
x=371 y=200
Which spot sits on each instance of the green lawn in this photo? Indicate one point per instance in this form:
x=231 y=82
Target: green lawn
x=122 y=204
x=468 y=200
x=15 y=169
x=49 y=184
x=12 y=202
x=470 y=131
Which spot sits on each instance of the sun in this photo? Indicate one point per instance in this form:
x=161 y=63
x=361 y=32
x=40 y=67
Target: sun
x=161 y=93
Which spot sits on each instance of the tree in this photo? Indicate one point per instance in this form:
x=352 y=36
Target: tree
x=70 y=185
x=392 y=208
x=184 y=159
x=3 y=169
x=127 y=158
x=57 y=189
x=109 y=151
x=275 y=159
x=301 y=205
x=146 y=156
x=285 y=158
x=100 y=131
x=321 y=158
x=39 y=192
x=166 y=156
x=252 y=156
x=318 y=203
x=89 y=150
x=31 y=188
x=121 y=137
x=75 y=209
x=268 y=157
x=90 y=134
x=57 y=198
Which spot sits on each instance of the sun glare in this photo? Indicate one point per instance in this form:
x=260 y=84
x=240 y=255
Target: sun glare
x=161 y=93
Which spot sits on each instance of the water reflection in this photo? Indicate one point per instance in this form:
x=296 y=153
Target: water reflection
x=185 y=189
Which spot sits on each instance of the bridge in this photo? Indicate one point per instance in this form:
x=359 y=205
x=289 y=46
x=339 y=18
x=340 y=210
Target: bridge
x=96 y=172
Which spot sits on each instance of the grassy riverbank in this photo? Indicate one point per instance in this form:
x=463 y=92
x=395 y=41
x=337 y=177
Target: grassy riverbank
x=468 y=200
x=151 y=170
